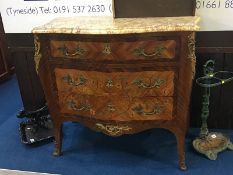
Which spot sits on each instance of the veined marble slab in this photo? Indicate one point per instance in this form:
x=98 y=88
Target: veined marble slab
x=109 y=25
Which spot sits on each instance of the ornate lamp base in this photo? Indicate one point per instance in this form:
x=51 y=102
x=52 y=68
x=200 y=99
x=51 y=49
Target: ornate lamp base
x=212 y=144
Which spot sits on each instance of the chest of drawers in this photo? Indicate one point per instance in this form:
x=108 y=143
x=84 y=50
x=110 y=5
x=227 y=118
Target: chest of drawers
x=118 y=76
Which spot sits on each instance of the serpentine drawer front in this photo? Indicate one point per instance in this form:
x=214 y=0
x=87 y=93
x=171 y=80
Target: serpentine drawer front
x=147 y=83
x=118 y=76
x=118 y=108
x=117 y=51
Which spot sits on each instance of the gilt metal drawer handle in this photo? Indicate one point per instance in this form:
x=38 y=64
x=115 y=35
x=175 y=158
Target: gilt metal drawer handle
x=78 y=51
x=157 y=83
x=157 y=52
x=75 y=82
x=82 y=107
x=139 y=110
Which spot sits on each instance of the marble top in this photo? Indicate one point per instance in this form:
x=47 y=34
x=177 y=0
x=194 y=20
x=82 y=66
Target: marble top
x=109 y=25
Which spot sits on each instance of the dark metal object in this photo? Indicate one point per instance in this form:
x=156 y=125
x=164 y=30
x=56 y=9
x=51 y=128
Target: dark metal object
x=37 y=128
x=210 y=144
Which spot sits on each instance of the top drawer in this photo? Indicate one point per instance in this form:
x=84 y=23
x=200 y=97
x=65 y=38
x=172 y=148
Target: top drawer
x=161 y=50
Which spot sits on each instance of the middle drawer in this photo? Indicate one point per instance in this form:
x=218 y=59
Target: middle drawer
x=134 y=84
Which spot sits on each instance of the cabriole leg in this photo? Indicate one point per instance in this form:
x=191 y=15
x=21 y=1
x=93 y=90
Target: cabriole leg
x=180 y=139
x=57 y=138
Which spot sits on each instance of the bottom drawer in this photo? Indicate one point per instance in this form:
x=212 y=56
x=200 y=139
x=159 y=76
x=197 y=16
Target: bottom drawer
x=117 y=107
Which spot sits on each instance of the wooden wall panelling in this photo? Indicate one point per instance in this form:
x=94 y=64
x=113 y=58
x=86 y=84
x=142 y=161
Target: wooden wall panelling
x=6 y=65
x=22 y=50
x=214 y=42
x=29 y=84
x=3 y=68
x=225 y=119
x=38 y=93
